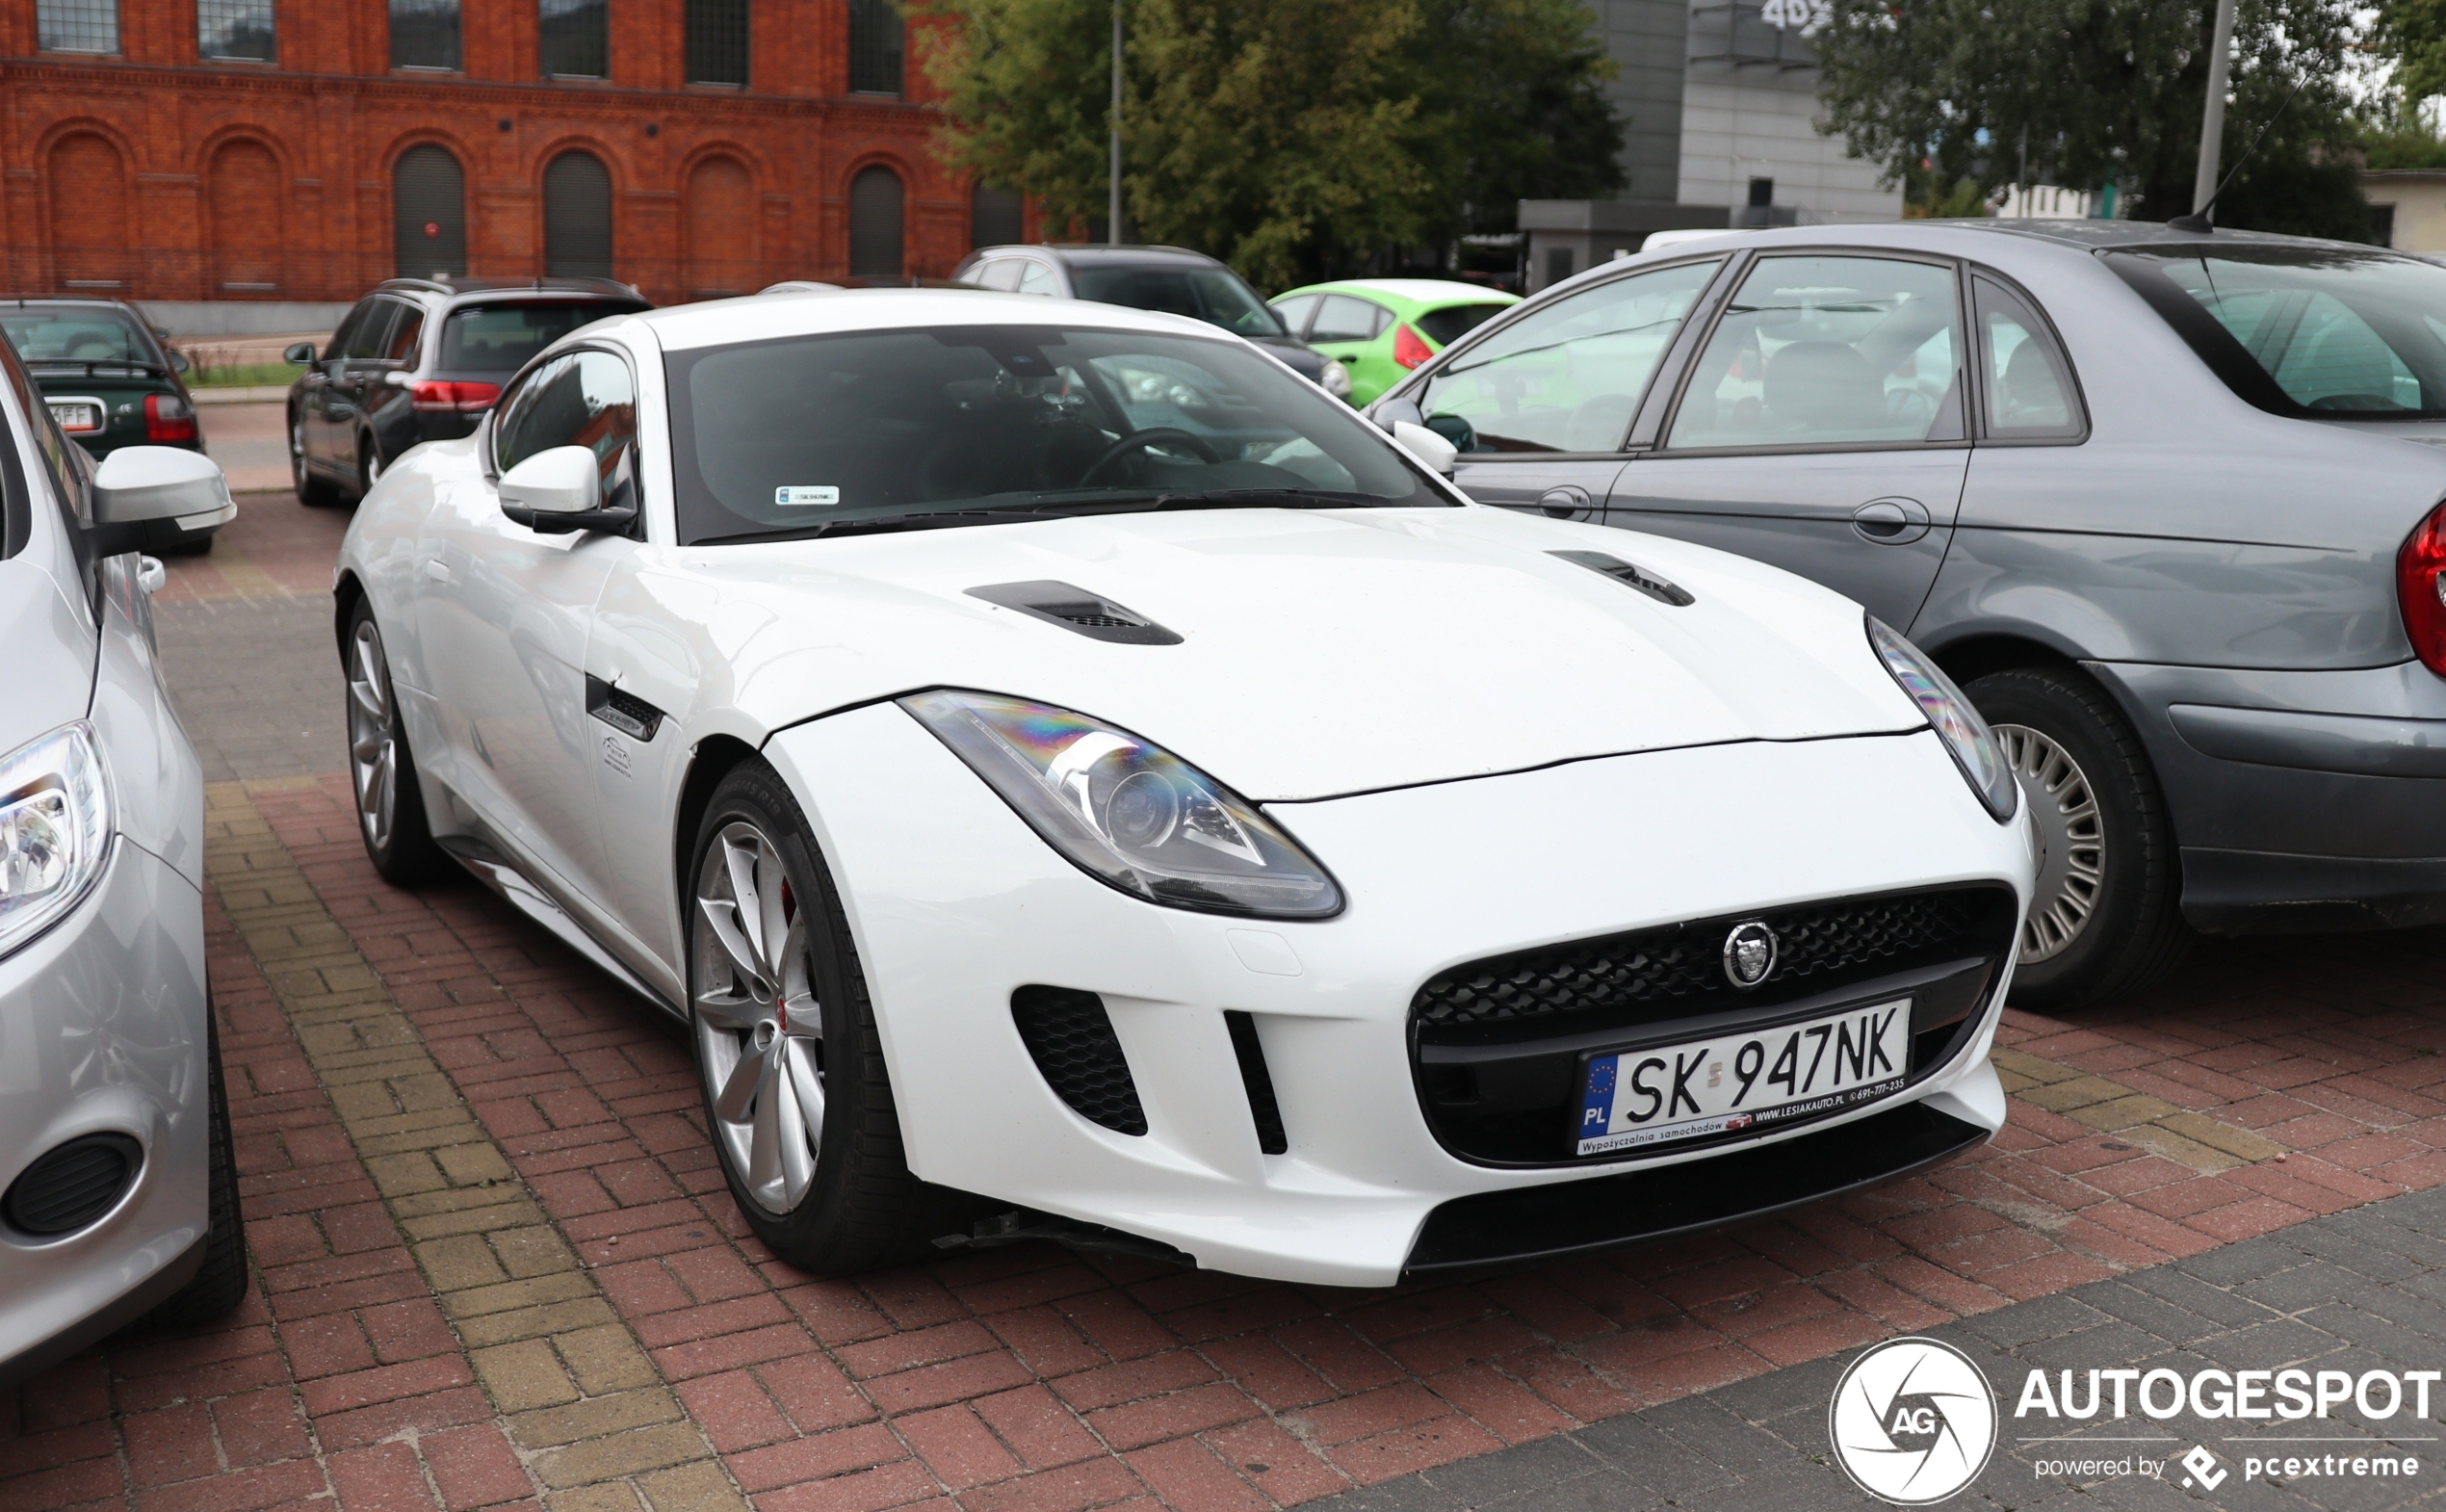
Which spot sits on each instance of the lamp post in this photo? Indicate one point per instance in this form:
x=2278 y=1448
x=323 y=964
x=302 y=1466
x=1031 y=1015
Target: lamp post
x=1113 y=214
x=2212 y=119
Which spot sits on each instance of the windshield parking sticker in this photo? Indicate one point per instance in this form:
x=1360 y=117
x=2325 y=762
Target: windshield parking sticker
x=792 y=496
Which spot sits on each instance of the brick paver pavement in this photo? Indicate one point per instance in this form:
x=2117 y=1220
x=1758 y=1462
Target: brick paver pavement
x=2272 y=1082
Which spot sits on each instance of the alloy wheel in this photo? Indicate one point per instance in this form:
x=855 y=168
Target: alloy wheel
x=2072 y=839
x=298 y=473
x=759 y=1027
x=373 y=743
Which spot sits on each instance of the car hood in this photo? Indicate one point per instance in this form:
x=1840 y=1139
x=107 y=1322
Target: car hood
x=1321 y=653
x=48 y=677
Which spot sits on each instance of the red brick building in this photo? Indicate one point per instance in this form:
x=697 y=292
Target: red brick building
x=302 y=149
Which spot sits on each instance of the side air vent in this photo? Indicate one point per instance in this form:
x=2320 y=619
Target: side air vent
x=1075 y=609
x=625 y=713
x=1070 y=1036
x=1623 y=572
x=1265 y=1112
x=72 y=1185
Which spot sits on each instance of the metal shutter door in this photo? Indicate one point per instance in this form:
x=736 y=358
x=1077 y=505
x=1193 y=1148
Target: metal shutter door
x=875 y=223
x=429 y=214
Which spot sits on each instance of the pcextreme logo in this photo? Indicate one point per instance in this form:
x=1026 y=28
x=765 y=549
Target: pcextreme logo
x=1913 y=1421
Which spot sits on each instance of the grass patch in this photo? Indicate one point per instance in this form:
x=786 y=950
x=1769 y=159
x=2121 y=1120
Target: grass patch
x=249 y=375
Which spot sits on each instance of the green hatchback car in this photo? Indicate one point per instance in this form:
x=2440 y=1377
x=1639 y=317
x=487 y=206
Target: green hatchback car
x=1380 y=328
x=110 y=383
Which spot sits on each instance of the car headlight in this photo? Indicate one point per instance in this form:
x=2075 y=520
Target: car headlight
x=1967 y=736
x=1127 y=812
x=1335 y=379
x=55 y=829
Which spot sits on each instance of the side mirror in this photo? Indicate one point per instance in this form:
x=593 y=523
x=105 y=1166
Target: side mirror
x=139 y=484
x=397 y=378
x=561 y=490
x=301 y=356
x=178 y=362
x=1397 y=411
x=1426 y=446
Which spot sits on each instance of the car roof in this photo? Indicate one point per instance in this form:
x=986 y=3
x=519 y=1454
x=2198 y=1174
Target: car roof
x=716 y=322
x=558 y=287
x=1088 y=252
x=45 y=301
x=1417 y=291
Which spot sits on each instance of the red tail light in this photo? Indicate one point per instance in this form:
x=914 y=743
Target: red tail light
x=167 y=418
x=439 y=396
x=1409 y=347
x=2420 y=590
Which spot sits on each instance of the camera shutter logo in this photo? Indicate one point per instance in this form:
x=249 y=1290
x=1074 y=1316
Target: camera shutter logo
x=1913 y=1421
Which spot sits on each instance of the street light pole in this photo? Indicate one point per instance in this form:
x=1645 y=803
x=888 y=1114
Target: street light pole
x=1113 y=214
x=2212 y=119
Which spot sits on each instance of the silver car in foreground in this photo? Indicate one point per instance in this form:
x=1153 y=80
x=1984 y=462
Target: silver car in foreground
x=2165 y=504
x=118 y=1198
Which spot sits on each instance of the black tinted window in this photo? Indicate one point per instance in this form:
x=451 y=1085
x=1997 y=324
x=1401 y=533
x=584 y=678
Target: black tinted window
x=500 y=338
x=807 y=432
x=579 y=398
x=1450 y=324
x=1215 y=296
x=365 y=336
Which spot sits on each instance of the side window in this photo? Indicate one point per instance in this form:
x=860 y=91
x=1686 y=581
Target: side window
x=350 y=326
x=1036 y=279
x=579 y=398
x=1342 y=318
x=1567 y=377
x=1002 y=272
x=2028 y=380
x=64 y=462
x=1295 y=312
x=366 y=340
x=401 y=346
x=1825 y=350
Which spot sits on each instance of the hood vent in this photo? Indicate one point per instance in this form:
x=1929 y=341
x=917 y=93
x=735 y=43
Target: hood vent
x=1075 y=609
x=1620 y=571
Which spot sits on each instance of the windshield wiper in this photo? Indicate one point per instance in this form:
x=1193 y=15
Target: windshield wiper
x=928 y=519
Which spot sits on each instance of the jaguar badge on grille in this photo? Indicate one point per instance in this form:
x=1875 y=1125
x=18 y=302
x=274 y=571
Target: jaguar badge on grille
x=1749 y=954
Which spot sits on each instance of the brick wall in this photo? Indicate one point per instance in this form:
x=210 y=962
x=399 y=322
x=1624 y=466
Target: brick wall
x=153 y=174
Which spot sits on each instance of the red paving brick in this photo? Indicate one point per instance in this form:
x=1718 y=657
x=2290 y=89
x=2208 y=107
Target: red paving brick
x=1033 y=1380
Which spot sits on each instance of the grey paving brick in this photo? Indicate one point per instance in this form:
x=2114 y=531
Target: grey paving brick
x=2306 y=1285
x=256 y=682
x=2272 y=1344
x=1604 y=1489
x=2111 y=1343
x=1405 y=1493
x=2193 y=1294
x=1540 y=1462
x=2151 y=1313
x=2235 y=1264
x=1778 y=1393
x=2364 y=1253
x=2041 y=1317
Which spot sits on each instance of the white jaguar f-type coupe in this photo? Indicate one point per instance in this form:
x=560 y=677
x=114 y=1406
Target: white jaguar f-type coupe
x=1075 y=778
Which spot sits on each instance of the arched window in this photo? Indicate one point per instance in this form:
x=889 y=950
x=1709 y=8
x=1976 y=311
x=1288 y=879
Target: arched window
x=90 y=222
x=721 y=229
x=242 y=199
x=875 y=223
x=429 y=212
x=577 y=216
x=877 y=40
x=994 y=216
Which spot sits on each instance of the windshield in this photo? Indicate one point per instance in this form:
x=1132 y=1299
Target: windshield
x=69 y=333
x=2307 y=331
x=500 y=338
x=808 y=433
x=1213 y=294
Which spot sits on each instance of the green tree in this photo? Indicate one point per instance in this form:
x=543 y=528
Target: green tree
x=2094 y=91
x=1294 y=139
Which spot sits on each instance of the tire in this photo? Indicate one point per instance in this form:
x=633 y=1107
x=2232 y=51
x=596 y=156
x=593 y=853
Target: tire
x=219 y=1283
x=786 y=1044
x=369 y=466
x=313 y=491
x=2105 y=921
x=390 y=805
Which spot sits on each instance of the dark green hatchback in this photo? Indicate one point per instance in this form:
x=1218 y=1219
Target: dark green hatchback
x=109 y=384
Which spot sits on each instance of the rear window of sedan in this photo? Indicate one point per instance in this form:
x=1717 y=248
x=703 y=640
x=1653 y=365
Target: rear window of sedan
x=69 y=334
x=500 y=338
x=2305 y=330
x=1450 y=324
x=797 y=435
x=1212 y=295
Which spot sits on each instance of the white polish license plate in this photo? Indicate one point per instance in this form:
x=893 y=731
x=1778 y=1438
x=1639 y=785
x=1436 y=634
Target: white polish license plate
x=77 y=419
x=1743 y=1079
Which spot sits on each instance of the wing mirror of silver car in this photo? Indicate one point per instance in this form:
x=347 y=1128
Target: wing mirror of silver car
x=301 y=356
x=559 y=490
x=137 y=486
x=1426 y=446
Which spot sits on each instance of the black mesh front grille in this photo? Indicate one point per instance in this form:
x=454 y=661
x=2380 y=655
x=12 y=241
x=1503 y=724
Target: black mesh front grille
x=1684 y=964
x=1496 y=1044
x=1070 y=1036
x=72 y=1185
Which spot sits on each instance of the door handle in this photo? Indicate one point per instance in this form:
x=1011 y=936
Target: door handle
x=437 y=569
x=1568 y=502
x=1890 y=522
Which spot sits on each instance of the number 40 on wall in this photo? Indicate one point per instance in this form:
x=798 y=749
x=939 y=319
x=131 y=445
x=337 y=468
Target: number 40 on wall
x=1802 y=15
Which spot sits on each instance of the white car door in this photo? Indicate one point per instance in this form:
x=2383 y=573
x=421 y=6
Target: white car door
x=505 y=612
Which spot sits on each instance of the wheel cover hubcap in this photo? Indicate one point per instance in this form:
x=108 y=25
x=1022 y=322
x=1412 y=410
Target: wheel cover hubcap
x=373 y=748
x=2072 y=840
x=759 y=1028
